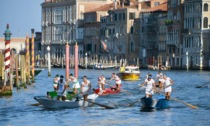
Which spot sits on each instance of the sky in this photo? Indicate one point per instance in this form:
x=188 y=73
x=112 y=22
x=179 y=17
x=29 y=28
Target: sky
x=21 y=15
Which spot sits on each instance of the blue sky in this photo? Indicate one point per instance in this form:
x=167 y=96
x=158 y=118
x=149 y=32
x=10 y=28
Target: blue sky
x=21 y=15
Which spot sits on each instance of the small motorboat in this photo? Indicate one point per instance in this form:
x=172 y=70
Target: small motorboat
x=154 y=103
x=48 y=102
x=107 y=91
x=130 y=73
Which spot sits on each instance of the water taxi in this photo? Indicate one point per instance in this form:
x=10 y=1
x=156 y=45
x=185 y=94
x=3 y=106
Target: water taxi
x=131 y=73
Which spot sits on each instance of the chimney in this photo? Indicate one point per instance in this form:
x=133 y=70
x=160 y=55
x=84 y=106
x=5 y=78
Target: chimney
x=139 y=6
x=115 y=4
x=123 y=4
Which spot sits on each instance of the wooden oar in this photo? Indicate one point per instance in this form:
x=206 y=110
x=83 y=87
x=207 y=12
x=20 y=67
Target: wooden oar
x=105 y=106
x=125 y=91
x=202 y=85
x=35 y=104
x=191 y=106
x=132 y=103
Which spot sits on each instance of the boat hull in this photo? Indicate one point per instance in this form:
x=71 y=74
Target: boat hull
x=106 y=92
x=57 y=104
x=150 y=103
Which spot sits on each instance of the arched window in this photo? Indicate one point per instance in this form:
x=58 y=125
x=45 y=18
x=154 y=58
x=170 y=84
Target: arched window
x=132 y=46
x=205 y=22
x=205 y=7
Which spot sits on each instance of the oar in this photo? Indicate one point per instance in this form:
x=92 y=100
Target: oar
x=202 y=85
x=105 y=106
x=191 y=106
x=125 y=91
x=132 y=103
x=35 y=104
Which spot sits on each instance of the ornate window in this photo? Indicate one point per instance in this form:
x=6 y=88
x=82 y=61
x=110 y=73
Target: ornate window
x=205 y=7
x=205 y=22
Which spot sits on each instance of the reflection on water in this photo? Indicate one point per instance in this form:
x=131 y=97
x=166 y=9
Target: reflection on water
x=16 y=110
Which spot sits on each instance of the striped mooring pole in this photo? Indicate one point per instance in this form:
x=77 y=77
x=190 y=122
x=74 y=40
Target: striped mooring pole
x=32 y=54
x=27 y=60
x=7 y=35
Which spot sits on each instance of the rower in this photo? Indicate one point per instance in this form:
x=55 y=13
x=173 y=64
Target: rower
x=103 y=82
x=86 y=87
x=75 y=86
x=61 y=90
x=55 y=82
x=159 y=75
x=117 y=81
x=168 y=82
x=150 y=85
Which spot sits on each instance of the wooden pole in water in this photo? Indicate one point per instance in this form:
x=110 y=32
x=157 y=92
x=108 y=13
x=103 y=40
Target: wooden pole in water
x=23 y=70
x=76 y=60
x=67 y=61
x=27 y=60
x=16 y=71
x=32 y=55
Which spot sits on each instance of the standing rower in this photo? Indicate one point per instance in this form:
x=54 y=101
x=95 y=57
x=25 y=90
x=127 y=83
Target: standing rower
x=168 y=82
x=86 y=87
x=150 y=86
x=117 y=82
x=61 y=90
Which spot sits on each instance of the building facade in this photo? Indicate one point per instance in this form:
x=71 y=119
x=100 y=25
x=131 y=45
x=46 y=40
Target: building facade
x=117 y=31
x=62 y=22
x=149 y=28
x=196 y=34
x=175 y=23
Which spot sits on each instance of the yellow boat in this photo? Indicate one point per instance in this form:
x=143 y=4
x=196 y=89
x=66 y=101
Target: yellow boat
x=131 y=73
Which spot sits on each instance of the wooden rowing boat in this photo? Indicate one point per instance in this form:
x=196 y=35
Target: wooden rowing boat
x=154 y=103
x=107 y=91
x=57 y=104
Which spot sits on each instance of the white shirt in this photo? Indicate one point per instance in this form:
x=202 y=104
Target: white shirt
x=149 y=84
x=75 y=83
x=85 y=87
x=167 y=81
x=159 y=75
x=103 y=80
x=61 y=86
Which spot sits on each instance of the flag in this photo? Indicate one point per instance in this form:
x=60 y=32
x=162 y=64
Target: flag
x=104 y=45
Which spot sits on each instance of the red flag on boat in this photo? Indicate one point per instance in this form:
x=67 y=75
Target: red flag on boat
x=104 y=45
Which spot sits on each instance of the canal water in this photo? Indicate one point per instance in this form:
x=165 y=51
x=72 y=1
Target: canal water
x=17 y=110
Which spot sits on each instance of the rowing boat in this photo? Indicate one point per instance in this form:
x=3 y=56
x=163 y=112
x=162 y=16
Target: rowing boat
x=154 y=103
x=107 y=91
x=57 y=104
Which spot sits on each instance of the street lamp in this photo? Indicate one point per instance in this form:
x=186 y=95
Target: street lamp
x=187 y=61
x=49 y=62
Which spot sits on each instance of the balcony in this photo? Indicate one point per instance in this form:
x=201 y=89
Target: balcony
x=168 y=22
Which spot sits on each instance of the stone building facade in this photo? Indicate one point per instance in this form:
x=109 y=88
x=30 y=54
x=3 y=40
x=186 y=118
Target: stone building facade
x=196 y=34
x=62 y=22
